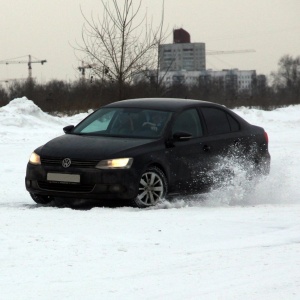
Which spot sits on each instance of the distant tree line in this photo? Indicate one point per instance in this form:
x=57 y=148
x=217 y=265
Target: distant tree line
x=71 y=97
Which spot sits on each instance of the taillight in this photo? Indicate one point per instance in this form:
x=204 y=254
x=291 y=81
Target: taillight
x=266 y=137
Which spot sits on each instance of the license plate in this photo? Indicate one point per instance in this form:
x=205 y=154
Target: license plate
x=61 y=177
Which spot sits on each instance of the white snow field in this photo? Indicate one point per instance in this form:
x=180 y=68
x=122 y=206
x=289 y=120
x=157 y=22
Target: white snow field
x=239 y=242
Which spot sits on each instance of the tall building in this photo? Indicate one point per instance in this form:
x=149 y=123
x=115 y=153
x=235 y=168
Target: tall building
x=183 y=62
x=182 y=55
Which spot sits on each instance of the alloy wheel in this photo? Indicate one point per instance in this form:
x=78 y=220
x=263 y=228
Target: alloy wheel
x=151 y=188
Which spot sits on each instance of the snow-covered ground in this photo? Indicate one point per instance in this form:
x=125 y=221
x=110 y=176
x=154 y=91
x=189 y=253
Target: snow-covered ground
x=239 y=242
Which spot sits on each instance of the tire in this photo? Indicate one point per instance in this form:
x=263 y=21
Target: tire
x=152 y=188
x=41 y=199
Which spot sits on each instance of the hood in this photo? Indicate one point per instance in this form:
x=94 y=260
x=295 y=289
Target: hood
x=90 y=147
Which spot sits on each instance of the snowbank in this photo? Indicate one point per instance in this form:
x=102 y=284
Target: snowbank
x=22 y=119
x=22 y=112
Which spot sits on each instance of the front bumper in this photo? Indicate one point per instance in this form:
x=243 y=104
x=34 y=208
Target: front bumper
x=94 y=183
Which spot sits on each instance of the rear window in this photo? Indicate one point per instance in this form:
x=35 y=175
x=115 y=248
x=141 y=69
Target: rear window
x=234 y=125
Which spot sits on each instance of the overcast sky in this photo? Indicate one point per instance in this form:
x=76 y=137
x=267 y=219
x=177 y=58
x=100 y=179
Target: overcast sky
x=47 y=29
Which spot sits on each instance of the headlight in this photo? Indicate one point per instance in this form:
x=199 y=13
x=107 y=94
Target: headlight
x=118 y=163
x=35 y=159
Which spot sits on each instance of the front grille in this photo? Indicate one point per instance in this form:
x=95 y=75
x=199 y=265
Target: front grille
x=62 y=187
x=75 y=163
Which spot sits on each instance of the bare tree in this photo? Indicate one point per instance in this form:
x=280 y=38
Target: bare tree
x=121 y=43
x=287 y=78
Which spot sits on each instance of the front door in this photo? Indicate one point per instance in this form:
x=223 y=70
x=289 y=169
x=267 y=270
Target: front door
x=189 y=159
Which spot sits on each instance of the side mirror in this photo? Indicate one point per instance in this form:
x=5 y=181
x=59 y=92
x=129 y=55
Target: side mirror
x=68 y=128
x=181 y=136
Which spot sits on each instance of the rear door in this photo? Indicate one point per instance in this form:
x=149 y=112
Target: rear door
x=223 y=138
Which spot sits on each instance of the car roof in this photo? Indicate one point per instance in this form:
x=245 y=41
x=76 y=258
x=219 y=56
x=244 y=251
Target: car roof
x=172 y=104
x=168 y=104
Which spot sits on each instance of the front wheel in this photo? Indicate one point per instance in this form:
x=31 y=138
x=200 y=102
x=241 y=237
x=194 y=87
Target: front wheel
x=152 y=188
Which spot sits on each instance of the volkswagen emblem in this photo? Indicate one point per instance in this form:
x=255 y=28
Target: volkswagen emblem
x=66 y=163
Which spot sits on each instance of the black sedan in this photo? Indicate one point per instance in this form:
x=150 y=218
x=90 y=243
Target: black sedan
x=144 y=150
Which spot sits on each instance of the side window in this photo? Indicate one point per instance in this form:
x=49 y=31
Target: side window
x=216 y=120
x=188 y=121
x=234 y=125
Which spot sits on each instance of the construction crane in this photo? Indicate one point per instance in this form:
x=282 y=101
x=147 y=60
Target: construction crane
x=83 y=67
x=29 y=62
x=105 y=70
x=211 y=52
x=217 y=53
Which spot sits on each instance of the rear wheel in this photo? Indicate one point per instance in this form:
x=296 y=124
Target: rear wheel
x=41 y=199
x=152 y=188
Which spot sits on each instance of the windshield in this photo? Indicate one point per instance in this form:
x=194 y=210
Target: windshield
x=125 y=122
